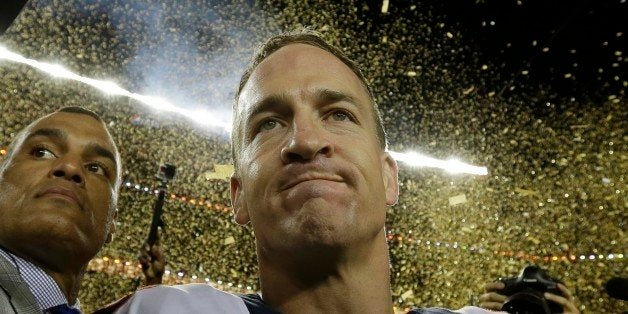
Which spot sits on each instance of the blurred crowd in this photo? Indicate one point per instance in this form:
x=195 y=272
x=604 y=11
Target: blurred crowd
x=557 y=163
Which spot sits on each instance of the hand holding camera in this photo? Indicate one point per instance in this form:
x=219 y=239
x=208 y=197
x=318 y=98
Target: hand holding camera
x=531 y=292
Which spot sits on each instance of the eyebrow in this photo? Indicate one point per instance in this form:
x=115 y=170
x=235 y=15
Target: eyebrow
x=276 y=100
x=91 y=148
x=47 y=132
x=321 y=96
x=328 y=96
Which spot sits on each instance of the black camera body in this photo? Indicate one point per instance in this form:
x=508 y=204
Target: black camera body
x=525 y=292
x=166 y=172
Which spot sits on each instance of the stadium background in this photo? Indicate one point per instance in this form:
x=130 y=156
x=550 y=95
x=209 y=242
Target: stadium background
x=534 y=91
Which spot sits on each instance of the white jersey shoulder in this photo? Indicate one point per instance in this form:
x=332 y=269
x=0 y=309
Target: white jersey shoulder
x=190 y=298
x=477 y=310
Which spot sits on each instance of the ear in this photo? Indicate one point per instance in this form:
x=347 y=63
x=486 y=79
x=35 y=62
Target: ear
x=112 y=226
x=240 y=212
x=390 y=173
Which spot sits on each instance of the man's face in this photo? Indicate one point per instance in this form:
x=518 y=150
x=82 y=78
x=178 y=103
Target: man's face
x=57 y=190
x=311 y=172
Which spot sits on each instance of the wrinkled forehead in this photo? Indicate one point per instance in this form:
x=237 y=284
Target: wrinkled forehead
x=299 y=67
x=76 y=126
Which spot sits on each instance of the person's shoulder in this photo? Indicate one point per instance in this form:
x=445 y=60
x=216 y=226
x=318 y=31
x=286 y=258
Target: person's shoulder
x=476 y=310
x=464 y=310
x=430 y=310
x=15 y=295
x=190 y=298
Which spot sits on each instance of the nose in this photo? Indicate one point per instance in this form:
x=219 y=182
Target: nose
x=68 y=168
x=307 y=141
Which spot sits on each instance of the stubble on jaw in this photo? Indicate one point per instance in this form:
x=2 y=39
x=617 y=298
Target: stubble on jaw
x=316 y=224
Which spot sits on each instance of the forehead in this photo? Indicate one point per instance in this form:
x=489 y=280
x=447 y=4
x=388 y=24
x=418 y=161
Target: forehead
x=298 y=68
x=78 y=127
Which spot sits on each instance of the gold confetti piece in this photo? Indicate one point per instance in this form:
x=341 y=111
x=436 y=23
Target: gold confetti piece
x=467 y=91
x=222 y=172
x=407 y=294
x=524 y=192
x=579 y=126
x=385 y=6
x=458 y=199
x=229 y=240
x=534 y=240
x=411 y=73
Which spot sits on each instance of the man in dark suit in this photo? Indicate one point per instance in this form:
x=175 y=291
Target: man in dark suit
x=58 y=191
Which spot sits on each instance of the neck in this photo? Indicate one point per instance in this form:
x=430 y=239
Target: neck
x=69 y=283
x=355 y=280
x=67 y=273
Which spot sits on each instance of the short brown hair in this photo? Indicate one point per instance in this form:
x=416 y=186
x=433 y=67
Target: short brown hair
x=308 y=37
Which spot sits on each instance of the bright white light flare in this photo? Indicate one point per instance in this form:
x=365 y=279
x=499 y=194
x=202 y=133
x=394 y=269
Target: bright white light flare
x=451 y=166
x=203 y=117
x=208 y=118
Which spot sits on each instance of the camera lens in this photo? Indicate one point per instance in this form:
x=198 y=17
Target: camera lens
x=526 y=302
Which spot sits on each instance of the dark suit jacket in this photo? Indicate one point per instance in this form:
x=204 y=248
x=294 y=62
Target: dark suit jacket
x=15 y=296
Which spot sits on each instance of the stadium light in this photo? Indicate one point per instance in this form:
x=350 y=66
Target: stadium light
x=208 y=118
x=110 y=88
x=452 y=166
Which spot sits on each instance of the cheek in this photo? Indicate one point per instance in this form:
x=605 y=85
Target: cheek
x=369 y=166
x=102 y=201
x=14 y=189
x=254 y=171
x=10 y=196
x=258 y=164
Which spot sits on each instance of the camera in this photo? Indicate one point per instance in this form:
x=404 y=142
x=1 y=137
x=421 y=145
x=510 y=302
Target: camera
x=166 y=172
x=525 y=292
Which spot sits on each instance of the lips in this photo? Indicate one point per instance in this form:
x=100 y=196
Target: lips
x=61 y=192
x=310 y=177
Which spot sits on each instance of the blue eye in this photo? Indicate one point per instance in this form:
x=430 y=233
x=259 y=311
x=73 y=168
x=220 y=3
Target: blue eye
x=268 y=125
x=340 y=116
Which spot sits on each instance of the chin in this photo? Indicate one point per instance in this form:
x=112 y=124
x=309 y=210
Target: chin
x=317 y=231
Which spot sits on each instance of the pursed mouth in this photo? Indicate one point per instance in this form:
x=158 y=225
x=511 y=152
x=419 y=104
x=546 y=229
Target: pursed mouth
x=298 y=181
